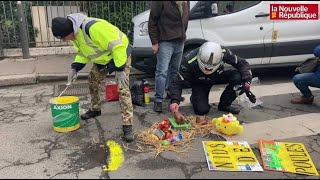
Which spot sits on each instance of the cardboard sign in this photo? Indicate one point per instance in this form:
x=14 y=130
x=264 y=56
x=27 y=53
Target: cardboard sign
x=230 y=156
x=286 y=157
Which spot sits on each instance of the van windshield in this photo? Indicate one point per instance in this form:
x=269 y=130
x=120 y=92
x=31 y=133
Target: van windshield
x=228 y=7
x=192 y=4
x=206 y=9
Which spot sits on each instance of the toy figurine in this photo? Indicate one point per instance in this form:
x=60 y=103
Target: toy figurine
x=166 y=128
x=176 y=138
x=229 y=117
x=227 y=124
x=165 y=125
x=180 y=119
x=202 y=120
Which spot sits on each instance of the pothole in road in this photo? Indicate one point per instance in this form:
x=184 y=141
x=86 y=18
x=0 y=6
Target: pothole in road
x=91 y=156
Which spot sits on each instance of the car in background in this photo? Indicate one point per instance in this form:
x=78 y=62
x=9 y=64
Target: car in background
x=244 y=27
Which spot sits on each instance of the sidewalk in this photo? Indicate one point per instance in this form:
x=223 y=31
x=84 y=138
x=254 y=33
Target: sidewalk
x=18 y=71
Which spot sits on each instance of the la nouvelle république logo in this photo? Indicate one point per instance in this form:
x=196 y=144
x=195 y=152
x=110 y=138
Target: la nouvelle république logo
x=294 y=11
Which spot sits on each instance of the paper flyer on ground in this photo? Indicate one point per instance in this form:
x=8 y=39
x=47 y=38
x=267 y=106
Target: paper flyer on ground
x=286 y=157
x=230 y=156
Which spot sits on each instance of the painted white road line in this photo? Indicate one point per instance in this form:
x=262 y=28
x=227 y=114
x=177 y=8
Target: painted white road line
x=289 y=127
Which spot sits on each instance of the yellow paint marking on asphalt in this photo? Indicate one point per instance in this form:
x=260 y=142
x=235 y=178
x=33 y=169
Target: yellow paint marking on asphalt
x=116 y=156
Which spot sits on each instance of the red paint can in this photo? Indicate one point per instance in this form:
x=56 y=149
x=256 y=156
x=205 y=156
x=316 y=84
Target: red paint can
x=112 y=93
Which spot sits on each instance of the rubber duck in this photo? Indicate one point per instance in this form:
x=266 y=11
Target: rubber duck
x=227 y=124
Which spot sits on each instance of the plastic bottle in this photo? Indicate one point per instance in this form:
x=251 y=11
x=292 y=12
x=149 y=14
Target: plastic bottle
x=255 y=81
x=146 y=92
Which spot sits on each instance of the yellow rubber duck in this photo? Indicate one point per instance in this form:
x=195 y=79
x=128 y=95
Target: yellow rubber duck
x=227 y=124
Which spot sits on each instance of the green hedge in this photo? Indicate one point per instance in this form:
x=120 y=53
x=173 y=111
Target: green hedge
x=119 y=13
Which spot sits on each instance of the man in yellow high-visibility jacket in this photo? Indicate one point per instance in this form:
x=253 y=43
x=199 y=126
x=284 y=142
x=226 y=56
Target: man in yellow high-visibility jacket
x=109 y=50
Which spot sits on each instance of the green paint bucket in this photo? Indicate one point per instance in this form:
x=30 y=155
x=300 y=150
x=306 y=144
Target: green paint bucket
x=65 y=113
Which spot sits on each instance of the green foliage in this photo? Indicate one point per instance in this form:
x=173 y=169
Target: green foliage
x=8 y=23
x=119 y=13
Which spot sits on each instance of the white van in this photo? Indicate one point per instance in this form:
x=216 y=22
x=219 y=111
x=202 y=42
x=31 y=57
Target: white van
x=242 y=26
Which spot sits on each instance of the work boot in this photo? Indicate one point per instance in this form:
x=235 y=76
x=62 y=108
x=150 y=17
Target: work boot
x=90 y=114
x=127 y=133
x=169 y=97
x=157 y=107
x=229 y=109
x=302 y=100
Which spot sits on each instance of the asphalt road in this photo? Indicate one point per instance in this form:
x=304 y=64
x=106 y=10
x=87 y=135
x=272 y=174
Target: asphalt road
x=30 y=147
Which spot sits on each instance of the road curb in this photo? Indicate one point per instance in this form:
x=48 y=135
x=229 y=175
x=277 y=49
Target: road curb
x=58 y=77
x=23 y=79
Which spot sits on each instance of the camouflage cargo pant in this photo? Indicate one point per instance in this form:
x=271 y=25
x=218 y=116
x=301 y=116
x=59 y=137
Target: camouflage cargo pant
x=95 y=78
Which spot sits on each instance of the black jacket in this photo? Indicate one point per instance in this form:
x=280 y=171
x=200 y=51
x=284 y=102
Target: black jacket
x=165 y=21
x=190 y=74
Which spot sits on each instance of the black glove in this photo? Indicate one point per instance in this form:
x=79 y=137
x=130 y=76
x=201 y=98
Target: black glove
x=251 y=96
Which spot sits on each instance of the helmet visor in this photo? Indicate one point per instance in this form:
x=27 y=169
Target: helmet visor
x=212 y=69
x=208 y=69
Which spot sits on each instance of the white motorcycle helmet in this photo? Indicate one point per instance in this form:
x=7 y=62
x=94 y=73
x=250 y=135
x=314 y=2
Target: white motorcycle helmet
x=209 y=57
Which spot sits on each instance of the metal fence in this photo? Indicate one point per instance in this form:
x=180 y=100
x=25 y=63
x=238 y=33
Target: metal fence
x=38 y=16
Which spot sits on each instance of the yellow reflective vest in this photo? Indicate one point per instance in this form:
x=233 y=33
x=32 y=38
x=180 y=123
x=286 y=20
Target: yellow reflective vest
x=106 y=42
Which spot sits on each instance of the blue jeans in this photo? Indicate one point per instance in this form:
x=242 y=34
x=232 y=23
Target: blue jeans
x=303 y=81
x=168 y=63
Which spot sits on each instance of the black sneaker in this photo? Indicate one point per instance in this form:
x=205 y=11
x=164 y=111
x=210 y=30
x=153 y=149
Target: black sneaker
x=157 y=107
x=231 y=109
x=90 y=114
x=181 y=98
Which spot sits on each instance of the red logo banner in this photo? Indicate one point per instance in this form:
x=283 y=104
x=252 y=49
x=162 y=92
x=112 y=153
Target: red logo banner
x=294 y=11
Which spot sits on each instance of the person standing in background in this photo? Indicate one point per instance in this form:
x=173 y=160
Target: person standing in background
x=167 y=26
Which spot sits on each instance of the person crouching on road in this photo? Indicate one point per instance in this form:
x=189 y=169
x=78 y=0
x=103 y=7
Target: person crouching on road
x=108 y=48
x=200 y=69
x=304 y=80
